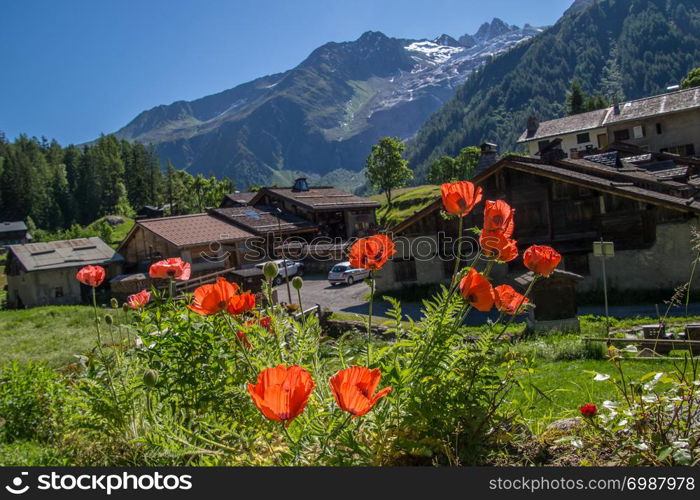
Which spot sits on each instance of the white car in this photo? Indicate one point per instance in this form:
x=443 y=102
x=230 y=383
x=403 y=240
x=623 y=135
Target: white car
x=293 y=269
x=343 y=272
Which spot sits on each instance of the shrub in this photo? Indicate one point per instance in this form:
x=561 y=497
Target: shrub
x=32 y=401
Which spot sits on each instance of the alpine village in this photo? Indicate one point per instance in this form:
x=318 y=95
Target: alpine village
x=477 y=249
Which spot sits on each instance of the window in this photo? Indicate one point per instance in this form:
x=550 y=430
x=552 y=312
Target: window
x=685 y=150
x=581 y=138
x=658 y=128
x=58 y=292
x=639 y=131
x=542 y=144
x=621 y=135
x=405 y=270
x=577 y=263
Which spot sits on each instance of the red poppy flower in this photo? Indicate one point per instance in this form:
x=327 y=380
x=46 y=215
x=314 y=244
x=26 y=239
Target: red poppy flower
x=91 y=275
x=238 y=304
x=353 y=389
x=541 y=259
x=497 y=246
x=281 y=393
x=138 y=300
x=498 y=217
x=174 y=268
x=509 y=301
x=459 y=198
x=244 y=339
x=371 y=252
x=266 y=323
x=477 y=290
x=212 y=299
x=588 y=410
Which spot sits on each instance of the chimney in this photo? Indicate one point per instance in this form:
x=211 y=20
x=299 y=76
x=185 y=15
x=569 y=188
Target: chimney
x=552 y=151
x=489 y=156
x=532 y=125
x=300 y=184
x=616 y=105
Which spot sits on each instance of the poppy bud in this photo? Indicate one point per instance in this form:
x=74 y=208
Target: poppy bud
x=150 y=377
x=297 y=283
x=109 y=319
x=114 y=303
x=125 y=307
x=271 y=270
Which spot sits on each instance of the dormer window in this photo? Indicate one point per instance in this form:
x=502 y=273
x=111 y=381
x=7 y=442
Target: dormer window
x=300 y=185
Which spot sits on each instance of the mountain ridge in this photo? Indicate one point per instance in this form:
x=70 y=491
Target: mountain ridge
x=324 y=114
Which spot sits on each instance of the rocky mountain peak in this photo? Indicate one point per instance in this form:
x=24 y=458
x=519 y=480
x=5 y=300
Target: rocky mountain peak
x=447 y=40
x=496 y=27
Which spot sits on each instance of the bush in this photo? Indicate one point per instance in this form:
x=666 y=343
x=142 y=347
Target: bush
x=32 y=401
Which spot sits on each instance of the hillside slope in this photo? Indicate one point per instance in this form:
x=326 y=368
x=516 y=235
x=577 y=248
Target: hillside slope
x=647 y=44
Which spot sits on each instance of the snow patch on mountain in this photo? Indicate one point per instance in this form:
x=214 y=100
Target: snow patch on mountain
x=437 y=54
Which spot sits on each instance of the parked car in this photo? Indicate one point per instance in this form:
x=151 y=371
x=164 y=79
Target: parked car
x=343 y=272
x=293 y=268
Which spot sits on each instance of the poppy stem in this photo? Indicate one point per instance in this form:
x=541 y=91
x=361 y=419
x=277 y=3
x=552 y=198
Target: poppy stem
x=100 y=350
x=369 y=320
x=293 y=445
x=517 y=309
x=458 y=257
x=240 y=342
x=334 y=432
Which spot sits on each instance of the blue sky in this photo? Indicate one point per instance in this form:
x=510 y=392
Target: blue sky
x=74 y=69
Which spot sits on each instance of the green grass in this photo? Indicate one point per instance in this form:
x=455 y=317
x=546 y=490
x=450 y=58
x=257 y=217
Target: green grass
x=119 y=232
x=556 y=389
x=29 y=453
x=53 y=334
x=405 y=203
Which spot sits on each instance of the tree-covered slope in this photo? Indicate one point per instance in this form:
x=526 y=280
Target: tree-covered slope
x=645 y=45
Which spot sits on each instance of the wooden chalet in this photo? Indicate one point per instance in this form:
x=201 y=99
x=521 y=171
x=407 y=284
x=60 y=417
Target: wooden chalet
x=647 y=204
x=206 y=242
x=337 y=213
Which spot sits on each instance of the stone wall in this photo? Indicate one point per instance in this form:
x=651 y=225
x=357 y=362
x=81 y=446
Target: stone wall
x=664 y=266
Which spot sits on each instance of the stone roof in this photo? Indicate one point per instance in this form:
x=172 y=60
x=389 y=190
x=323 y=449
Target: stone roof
x=661 y=104
x=12 y=226
x=64 y=253
x=191 y=230
x=263 y=219
x=241 y=198
x=319 y=198
x=567 y=125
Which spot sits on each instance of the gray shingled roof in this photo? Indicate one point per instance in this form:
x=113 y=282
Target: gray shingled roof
x=263 y=219
x=661 y=104
x=12 y=226
x=574 y=123
x=241 y=198
x=320 y=198
x=64 y=253
x=656 y=105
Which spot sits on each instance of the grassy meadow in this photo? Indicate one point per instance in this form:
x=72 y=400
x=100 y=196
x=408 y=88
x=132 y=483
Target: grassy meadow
x=52 y=334
x=405 y=203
